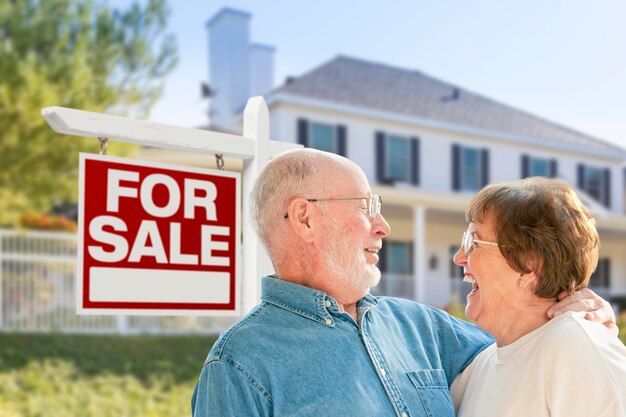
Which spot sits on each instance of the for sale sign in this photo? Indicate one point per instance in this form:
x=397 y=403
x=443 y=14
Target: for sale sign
x=157 y=239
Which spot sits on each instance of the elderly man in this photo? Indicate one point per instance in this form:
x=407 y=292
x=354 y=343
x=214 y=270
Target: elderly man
x=319 y=343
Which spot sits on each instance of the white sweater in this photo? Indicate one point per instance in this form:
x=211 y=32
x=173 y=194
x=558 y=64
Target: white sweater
x=568 y=367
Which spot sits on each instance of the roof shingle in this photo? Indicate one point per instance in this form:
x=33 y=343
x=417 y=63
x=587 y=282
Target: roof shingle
x=382 y=87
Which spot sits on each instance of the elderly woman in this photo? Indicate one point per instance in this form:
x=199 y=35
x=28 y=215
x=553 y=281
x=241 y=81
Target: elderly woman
x=528 y=241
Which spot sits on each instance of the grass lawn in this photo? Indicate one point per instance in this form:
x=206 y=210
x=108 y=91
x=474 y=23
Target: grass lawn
x=99 y=376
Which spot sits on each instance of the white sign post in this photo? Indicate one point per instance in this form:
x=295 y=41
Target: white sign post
x=254 y=148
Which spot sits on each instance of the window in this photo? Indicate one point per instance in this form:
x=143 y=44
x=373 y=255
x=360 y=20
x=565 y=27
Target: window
x=458 y=288
x=601 y=277
x=596 y=182
x=593 y=182
x=455 y=270
x=322 y=136
x=470 y=168
x=397 y=158
x=538 y=167
x=398 y=258
x=396 y=264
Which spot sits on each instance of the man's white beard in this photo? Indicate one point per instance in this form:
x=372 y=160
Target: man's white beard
x=345 y=259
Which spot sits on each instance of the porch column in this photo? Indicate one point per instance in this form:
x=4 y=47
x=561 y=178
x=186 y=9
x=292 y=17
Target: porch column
x=419 y=252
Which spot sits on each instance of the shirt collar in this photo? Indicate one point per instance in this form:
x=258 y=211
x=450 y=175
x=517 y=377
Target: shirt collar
x=307 y=302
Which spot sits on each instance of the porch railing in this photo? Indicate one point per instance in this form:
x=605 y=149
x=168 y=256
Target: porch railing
x=396 y=285
x=37 y=292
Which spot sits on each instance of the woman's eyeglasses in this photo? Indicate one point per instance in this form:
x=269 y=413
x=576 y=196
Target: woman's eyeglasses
x=468 y=242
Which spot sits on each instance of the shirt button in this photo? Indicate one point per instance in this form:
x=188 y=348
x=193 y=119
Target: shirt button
x=382 y=371
x=329 y=322
x=405 y=415
x=327 y=303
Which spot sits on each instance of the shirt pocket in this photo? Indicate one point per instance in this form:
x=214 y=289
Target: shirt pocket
x=432 y=388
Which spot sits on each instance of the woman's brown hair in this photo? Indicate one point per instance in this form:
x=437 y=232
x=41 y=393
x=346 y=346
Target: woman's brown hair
x=541 y=225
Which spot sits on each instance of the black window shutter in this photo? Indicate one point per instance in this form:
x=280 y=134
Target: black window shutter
x=380 y=158
x=456 y=167
x=415 y=161
x=607 y=187
x=580 y=179
x=303 y=132
x=525 y=166
x=554 y=168
x=411 y=259
x=341 y=140
x=485 y=166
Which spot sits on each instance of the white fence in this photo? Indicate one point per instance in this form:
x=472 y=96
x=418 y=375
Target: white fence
x=37 y=292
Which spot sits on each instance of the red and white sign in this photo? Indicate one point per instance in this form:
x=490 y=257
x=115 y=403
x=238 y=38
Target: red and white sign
x=157 y=239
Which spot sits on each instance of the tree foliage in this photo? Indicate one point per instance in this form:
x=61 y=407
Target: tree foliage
x=73 y=53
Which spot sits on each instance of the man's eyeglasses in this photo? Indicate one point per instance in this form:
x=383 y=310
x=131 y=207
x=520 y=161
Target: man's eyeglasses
x=374 y=203
x=468 y=242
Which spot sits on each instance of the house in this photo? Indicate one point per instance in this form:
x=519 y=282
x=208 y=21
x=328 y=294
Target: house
x=426 y=147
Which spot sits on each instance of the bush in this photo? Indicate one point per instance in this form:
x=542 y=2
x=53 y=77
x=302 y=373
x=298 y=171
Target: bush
x=99 y=376
x=455 y=308
x=56 y=388
x=47 y=222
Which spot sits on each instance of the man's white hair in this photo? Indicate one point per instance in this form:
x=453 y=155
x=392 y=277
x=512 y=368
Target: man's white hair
x=295 y=173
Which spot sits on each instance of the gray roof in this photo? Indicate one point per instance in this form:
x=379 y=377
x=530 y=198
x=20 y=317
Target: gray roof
x=377 y=86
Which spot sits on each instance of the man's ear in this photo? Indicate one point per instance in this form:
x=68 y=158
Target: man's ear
x=301 y=218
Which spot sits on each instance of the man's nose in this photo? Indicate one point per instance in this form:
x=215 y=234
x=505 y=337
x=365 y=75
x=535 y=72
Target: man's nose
x=381 y=227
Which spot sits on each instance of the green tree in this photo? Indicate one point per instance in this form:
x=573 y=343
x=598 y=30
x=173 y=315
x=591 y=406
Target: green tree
x=82 y=54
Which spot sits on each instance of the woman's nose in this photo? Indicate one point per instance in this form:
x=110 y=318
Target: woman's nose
x=460 y=257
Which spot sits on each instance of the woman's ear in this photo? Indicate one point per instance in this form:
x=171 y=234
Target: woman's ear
x=301 y=218
x=533 y=267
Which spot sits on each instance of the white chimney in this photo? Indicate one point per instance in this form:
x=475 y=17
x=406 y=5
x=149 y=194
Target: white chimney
x=261 y=69
x=229 y=65
x=237 y=68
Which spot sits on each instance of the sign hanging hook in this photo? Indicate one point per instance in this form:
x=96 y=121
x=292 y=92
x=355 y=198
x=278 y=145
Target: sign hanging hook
x=219 y=161
x=104 y=145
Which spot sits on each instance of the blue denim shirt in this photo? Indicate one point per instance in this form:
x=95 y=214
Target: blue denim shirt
x=298 y=354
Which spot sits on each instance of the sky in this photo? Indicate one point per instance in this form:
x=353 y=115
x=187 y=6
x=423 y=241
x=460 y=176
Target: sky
x=563 y=60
